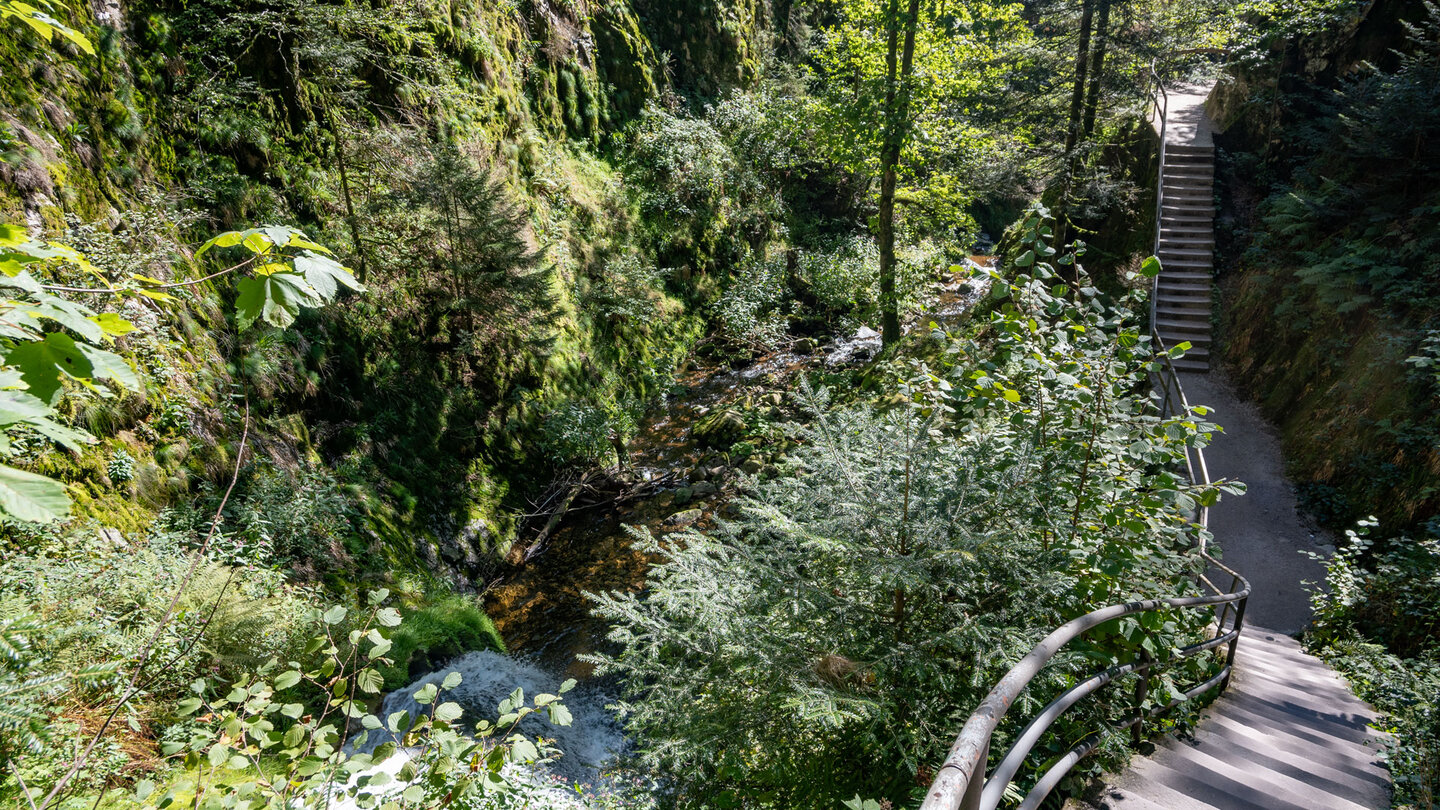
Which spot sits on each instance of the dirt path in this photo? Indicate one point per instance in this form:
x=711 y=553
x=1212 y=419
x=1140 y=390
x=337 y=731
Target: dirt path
x=1260 y=534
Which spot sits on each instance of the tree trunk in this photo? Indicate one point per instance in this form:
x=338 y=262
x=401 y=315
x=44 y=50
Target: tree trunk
x=1097 y=69
x=350 y=218
x=897 y=122
x=1072 y=131
x=1082 y=66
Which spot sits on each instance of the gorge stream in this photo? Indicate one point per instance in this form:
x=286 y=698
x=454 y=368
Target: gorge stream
x=688 y=456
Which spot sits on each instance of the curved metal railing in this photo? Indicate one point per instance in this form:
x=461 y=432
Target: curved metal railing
x=962 y=783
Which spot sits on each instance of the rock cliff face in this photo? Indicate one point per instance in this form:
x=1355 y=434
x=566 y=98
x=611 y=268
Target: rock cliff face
x=196 y=117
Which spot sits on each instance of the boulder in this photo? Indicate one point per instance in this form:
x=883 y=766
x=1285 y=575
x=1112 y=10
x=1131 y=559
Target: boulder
x=680 y=520
x=719 y=429
x=752 y=466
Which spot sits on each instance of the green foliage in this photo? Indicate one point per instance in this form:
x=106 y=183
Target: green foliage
x=1377 y=620
x=300 y=519
x=830 y=640
x=36 y=361
x=957 y=57
x=24 y=685
x=121 y=467
x=38 y=18
x=748 y=315
x=1341 y=285
x=96 y=604
x=293 y=755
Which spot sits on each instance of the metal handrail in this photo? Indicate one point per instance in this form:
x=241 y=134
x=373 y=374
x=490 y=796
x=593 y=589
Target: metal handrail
x=1161 y=100
x=961 y=782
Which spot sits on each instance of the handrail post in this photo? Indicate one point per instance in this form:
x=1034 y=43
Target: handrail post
x=1142 y=690
x=973 y=788
x=1234 y=642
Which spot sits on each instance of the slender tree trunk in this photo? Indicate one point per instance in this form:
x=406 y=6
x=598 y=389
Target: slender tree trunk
x=897 y=121
x=1072 y=131
x=351 y=219
x=1082 y=68
x=1097 y=69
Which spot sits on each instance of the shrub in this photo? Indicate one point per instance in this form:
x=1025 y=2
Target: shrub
x=1388 y=591
x=830 y=640
x=747 y=315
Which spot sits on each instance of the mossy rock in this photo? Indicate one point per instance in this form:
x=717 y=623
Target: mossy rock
x=430 y=636
x=720 y=429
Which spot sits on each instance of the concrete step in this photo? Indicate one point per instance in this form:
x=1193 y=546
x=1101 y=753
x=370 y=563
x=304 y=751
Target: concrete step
x=1187 y=150
x=1193 y=367
x=1187 y=277
x=1288 y=735
x=1191 y=208
x=1180 y=289
x=1199 y=241
x=1186 y=209
x=1185 y=253
x=1190 y=304
x=1206 y=266
x=1188 y=231
x=1170 y=327
x=1187 y=192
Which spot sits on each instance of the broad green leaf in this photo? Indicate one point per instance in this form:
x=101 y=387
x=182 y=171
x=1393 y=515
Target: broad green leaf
x=31 y=497
x=388 y=617
x=277 y=298
x=41 y=363
x=448 y=711
x=370 y=680
x=299 y=241
x=19 y=407
x=325 y=274
x=335 y=615
x=285 y=680
x=398 y=722
x=294 y=735
x=559 y=714
x=279 y=235
x=425 y=695
x=20 y=280
x=1150 y=268
x=451 y=681
x=567 y=685
x=66 y=313
x=224 y=240
x=522 y=750
x=112 y=324
x=257 y=242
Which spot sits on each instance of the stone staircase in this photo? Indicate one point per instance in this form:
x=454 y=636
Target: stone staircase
x=1187 y=249
x=1288 y=734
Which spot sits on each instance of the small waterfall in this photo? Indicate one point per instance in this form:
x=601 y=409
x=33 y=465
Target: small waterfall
x=591 y=741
